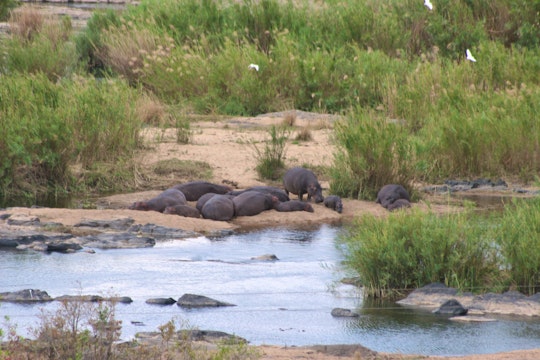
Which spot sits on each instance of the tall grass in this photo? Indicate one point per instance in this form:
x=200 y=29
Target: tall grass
x=407 y=250
x=372 y=152
x=270 y=159
x=518 y=235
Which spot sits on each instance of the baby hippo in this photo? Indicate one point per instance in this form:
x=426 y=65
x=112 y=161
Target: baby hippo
x=293 y=205
x=169 y=197
x=391 y=193
x=302 y=181
x=334 y=202
x=183 y=210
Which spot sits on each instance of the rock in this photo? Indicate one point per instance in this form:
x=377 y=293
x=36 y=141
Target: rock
x=266 y=257
x=451 y=307
x=11 y=239
x=27 y=295
x=156 y=338
x=117 y=224
x=340 y=312
x=161 y=232
x=117 y=241
x=63 y=247
x=161 y=301
x=195 y=301
x=23 y=220
x=94 y=298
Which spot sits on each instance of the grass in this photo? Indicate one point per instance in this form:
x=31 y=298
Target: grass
x=270 y=159
x=184 y=169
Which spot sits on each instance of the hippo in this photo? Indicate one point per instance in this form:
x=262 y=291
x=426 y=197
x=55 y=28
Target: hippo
x=390 y=193
x=183 y=210
x=334 y=202
x=250 y=203
x=302 y=181
x=195 y=189
x=169 y=197
x=293 y=205
x=218 y=207
x=272 y=190
x=398 y=204
x=203 y=199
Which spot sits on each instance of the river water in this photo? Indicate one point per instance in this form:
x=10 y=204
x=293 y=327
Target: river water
x=283 y=302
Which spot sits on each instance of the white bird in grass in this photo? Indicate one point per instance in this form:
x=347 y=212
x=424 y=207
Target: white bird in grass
x=254 y=66
x=428 y=4
x=469 y=56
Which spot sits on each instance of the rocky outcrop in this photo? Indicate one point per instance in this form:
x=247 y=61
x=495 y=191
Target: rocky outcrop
x=27 y=295
x=197 y=301
x=340 y=312
x=432 y=296
x=209 y=336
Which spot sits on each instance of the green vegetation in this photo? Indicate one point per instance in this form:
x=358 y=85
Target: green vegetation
x=407 y=250
x=270 y=164
x=90 y=330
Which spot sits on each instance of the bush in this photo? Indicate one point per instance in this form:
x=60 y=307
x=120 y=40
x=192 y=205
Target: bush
x=408 y=250
x=270 y=164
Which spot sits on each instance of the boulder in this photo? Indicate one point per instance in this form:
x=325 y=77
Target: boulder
x=340 y=312
x=196 y=301
x=27 y=295
x=161 y=301
x=451 y=307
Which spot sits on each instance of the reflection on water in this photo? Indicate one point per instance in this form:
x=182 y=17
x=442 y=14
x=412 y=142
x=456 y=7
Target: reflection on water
x=283 y=302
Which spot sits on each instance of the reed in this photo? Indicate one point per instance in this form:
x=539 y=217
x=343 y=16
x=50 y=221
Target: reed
x=410 y=249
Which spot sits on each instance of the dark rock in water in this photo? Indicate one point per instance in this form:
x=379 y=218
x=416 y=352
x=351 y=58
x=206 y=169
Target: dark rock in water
x=116 y=224
x=161 y=232
x=27 y=295
x=117 y=241
x=120 y=299
x=451 y=307
x=161 y=301
x=266 y=257
x=94 y=298
x=8 y=239
x=191 y=300
x=23 y=220
x=63 y=247
x=4 y=216
x=340 y=312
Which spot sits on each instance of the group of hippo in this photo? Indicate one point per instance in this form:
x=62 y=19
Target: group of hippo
x=221 y=202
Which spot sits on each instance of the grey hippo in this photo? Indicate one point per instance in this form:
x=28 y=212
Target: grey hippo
x=193 y=190
x=390 y=193
x=293 y=205
x=218 y=207
x=169 y=197
x=272 y=190
x=183 y=210
x=300 y=181
x=334 y=202
x=250 y=203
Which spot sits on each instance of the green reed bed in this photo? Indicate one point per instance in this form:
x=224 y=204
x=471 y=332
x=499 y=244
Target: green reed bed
x=407 y=250
x=471 y=252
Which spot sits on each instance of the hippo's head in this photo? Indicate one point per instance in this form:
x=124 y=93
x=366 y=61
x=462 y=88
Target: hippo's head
x=315 y=191
x=139 y=205
x=339 y=206
x=169 y=210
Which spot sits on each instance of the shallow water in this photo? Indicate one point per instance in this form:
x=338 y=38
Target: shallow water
x=284 y=302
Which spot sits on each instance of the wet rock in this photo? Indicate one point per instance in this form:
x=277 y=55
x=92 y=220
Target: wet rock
x=23 y=220
x=161 y=301
x=196 y=301
x=122 y=224
x=94 y=298
x=451 y=307
x=340 y=312
x=117 y=241
x=266 y=257
x=63 y=247
x=14 y=240
x=161 y=232
x=27 y=295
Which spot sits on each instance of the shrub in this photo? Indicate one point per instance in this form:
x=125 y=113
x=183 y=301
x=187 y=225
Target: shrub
x=270 y=164
x=408 y=250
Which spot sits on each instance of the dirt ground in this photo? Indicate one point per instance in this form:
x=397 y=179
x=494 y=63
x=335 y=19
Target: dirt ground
x=227 y=146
